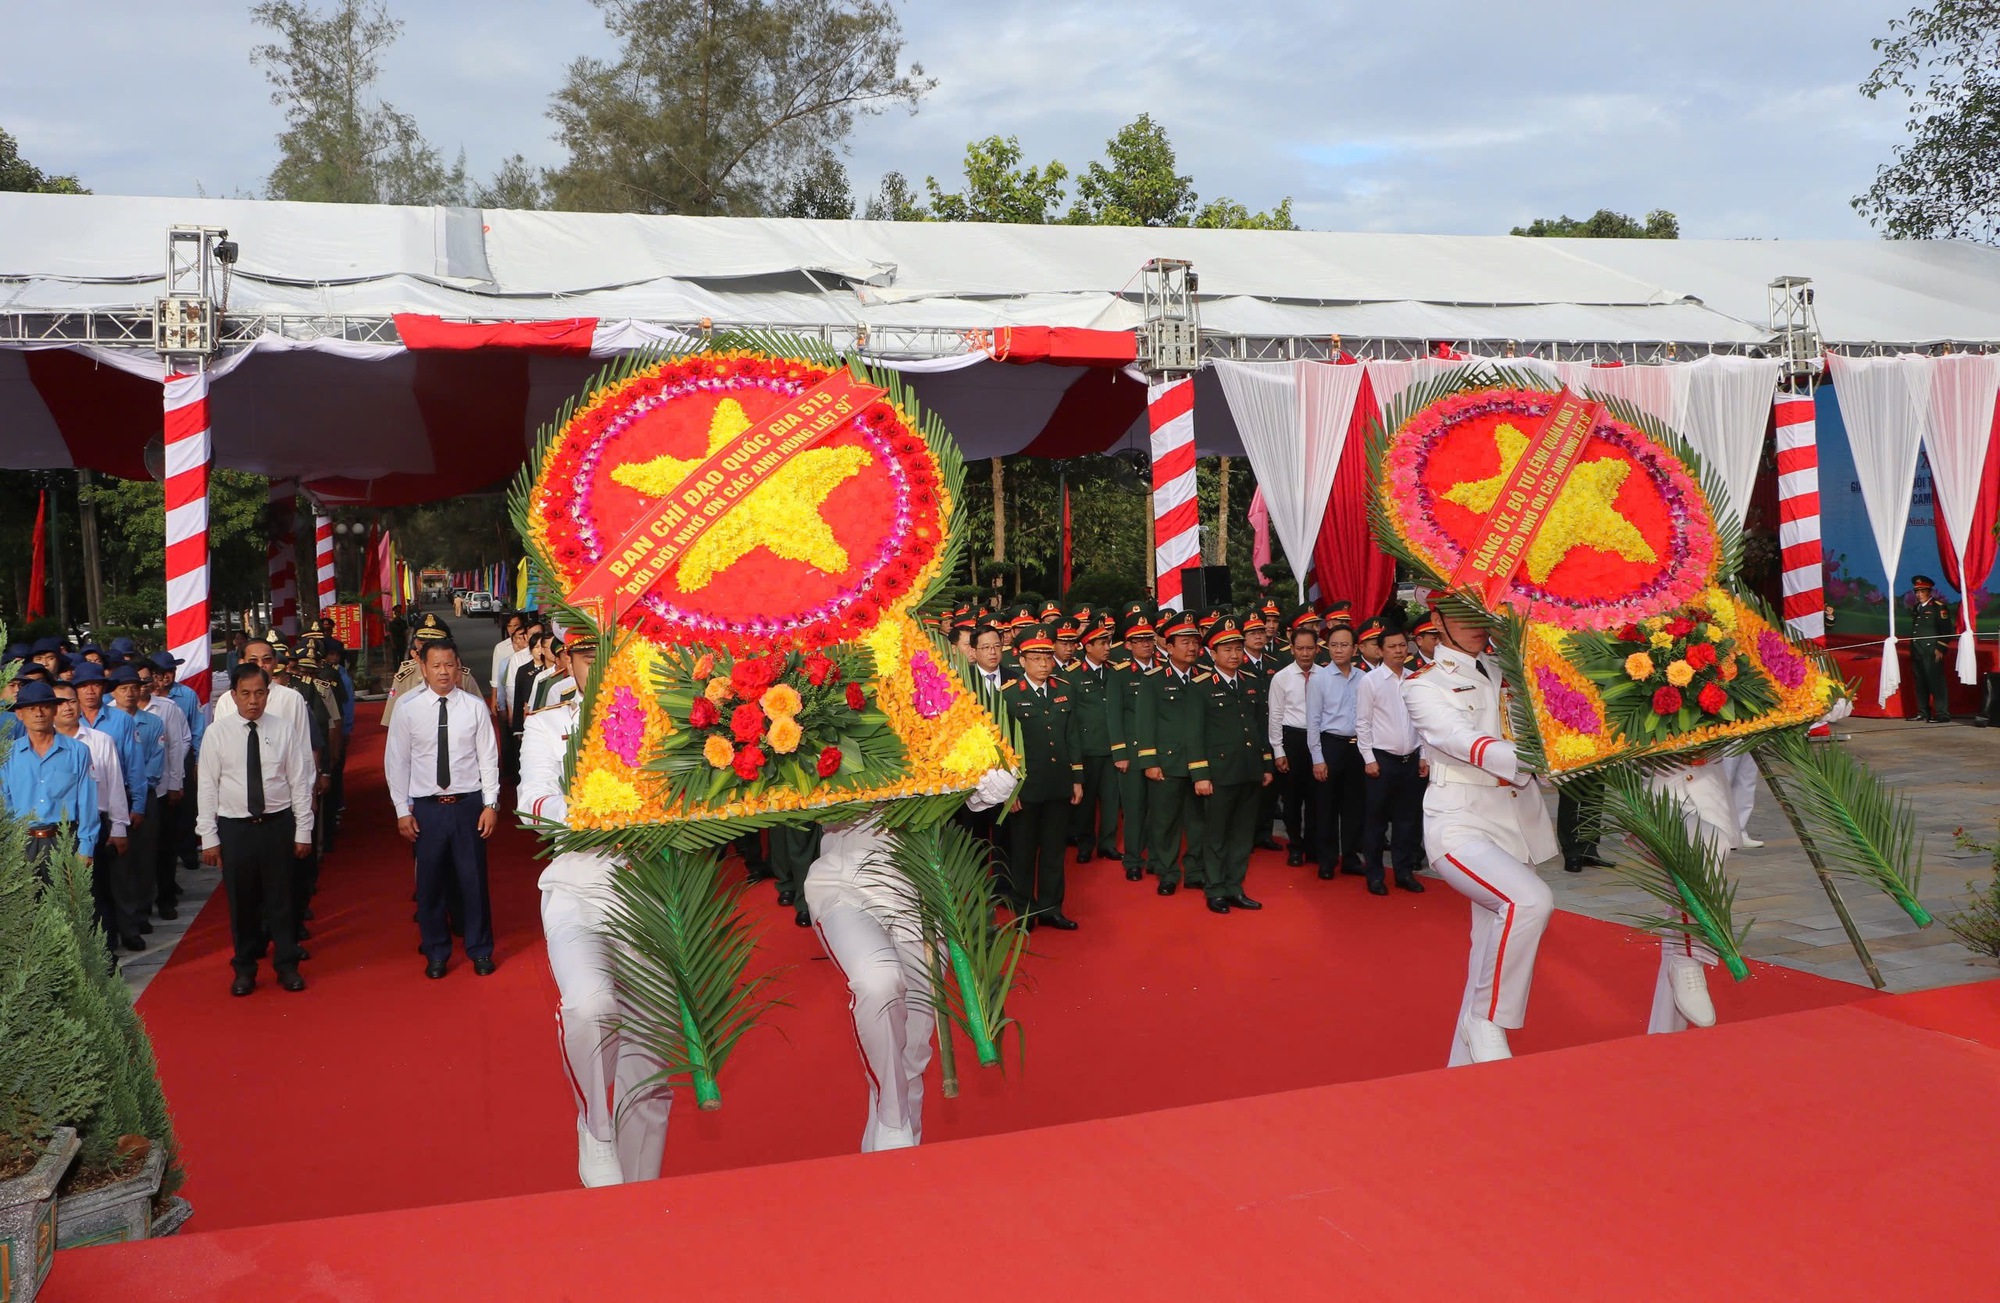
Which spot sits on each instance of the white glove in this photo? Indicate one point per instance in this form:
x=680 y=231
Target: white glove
x=1841 y=710
x=995 y=787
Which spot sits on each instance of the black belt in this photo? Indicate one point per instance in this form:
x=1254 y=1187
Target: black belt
x=1345 y=737
x=254 y=818
x=43 y=831
x=1394 y=755
x=451 y=798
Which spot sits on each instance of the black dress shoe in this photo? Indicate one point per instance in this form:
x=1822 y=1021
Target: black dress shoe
x=304 y=933
x=1241 y=901
x=759 y=873
x=289 y=979
x=169 y=913
x=1217 y=906
x=434 y=969
x=1086 y=855
x=1408 y=882
x=145 y=927
x=1167 y=888
x=1133 y=875
x=132 y=943
x=803 y=918
x=244 y=984
x=1942 y=719
x=1059 y=921
x=307 y=914
x=1353 y=870
x=1594 y=861
x=1294 y=858
x=302 y=952
x=483 y=966
x=1269 y=844
x=1572 y=866
x=1325 y=874
x=1377 y=887
x=788 y=897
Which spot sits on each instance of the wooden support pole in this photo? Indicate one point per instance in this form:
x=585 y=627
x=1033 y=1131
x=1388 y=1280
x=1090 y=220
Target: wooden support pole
x=1819 y=867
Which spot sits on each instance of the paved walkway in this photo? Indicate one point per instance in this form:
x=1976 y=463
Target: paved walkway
x=1951 y=773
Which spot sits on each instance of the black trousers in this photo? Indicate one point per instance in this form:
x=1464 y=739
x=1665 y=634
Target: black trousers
x=257 y=877
x=186 y=842
x=451 y=851
x=1035 y=854
x=1579 y=815
x=792 y=852
x=134 y=882
x=1394 y=813
x=1093 y=822
x=1928 y=667
x=1341 y=803
x=167 y=848
x=103 y=905
x=1299 y=799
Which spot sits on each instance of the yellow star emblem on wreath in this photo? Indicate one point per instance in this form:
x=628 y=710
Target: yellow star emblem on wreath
x=781 y=514
x=1583 y=514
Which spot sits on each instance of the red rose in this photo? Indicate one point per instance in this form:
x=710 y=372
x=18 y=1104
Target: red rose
x=1667 y=700
x=855 y=699
x=749 y=678
x=1713 y=699
x=748 y=761
x=817 y=668
x=829 y=762
x=1701 y=655
x=1680 y=628
x=746 y=722
x=1630 y=633
x=703 y=713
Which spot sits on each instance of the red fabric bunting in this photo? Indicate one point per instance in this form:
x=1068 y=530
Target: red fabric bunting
x=1348 y=564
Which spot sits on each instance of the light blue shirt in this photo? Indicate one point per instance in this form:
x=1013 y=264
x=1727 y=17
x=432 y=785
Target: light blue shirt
x=54 y=787
x=183 y=696
x=1331 y=699
x=124 y=734
x=152 y=740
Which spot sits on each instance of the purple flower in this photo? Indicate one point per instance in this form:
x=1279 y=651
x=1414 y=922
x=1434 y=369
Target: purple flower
x=625 y=727
x=931 y=695
x=1565 y=704
x=1784 y=664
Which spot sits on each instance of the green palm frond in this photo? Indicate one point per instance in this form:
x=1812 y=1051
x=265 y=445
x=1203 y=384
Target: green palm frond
x=940 y=875
x=683 y=949
x=1861 y=826
x=1663 y=856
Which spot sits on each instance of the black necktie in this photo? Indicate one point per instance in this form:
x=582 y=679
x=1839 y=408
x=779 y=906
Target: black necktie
x=253 y=773
x=444 y=746
x=1480 y=665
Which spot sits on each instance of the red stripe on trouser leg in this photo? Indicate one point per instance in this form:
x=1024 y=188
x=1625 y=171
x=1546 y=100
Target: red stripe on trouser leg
x=1500 y=953
x=852 y=1029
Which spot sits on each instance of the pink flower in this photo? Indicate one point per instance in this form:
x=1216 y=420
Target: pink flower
x=931 y=695
x=1565 y=704
x=625 y=727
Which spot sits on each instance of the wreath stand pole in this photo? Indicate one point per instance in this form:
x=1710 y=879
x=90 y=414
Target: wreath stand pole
x=1819 y=867
x=975 y=1012
x=947 y=1053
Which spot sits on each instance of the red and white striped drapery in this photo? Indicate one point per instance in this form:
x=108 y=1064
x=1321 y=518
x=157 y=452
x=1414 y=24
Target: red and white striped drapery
x=281 y=556
x=186 y=454
x=1799 y=556
x=1176 y=513
x=325 y=590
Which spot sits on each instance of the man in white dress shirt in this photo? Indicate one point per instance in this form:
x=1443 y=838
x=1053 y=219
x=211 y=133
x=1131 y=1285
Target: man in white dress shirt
x=1394 y=768
x=1299 y=800
x=153 y=699
x=1330 y=724
x=1485 y=828
x=114 y=811
x=503 y=651
x=255 y=819
x=284 y=704
x=621 y=1103
x=442 y=763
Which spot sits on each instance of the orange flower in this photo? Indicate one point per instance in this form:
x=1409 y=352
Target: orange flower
x=703 y=667
x=781 y=702
x=718 y=752
x=785 y=734
x=717 y=690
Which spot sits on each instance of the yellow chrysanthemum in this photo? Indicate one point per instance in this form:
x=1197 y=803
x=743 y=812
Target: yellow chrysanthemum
x=972 y=754
x=1680 y=674
x=780 y=702
x=1662 y=639
x=784 y=735
x=717 y=751
x=717 y=690
x=1638 y=666
x=606 y=793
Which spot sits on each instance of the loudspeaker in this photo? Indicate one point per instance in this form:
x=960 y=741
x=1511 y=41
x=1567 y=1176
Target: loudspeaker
x=1203 y=587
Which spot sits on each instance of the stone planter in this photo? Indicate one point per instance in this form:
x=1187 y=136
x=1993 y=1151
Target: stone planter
x=172 y=1217
x=28 y=1220
x=115 y=1213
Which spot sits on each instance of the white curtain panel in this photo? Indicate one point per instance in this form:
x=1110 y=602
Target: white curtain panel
x=1962 y=393
x=1883 y=403
x=1660 y=391
x=1293 y=418
x=1727 y=408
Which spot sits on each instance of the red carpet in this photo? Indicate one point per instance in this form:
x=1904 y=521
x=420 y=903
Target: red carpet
x=1829 y=1154
x=376 y=1089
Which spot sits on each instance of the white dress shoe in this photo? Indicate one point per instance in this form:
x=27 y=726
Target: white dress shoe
x=1750 y=843
x=596 y=1160
x=1484 y=1041
x=895 y=1138
x=1690 y=987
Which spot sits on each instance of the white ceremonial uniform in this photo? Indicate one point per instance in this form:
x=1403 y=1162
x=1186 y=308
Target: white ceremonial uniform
x=617 y=1104
x=872 y=939
x=174 y=774
x=1485 y=826
x=110 y=776
x=1707 y=800
x=1741 y=772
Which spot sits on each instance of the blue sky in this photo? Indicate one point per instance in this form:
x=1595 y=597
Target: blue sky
x=1434 y=117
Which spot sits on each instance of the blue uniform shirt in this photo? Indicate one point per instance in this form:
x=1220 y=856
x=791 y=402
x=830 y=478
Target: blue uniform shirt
x=152 y=735
x=183 y=696
x=347 y=706
x=124 y=734
x=1330 y=706
x=54 y=787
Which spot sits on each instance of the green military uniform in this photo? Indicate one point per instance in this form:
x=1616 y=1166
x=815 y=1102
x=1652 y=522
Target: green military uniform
x=1259 y=672
x=1171 y=740
x=1129 y=683
x=1239 y=765
x=1932 y=624
x=1052 y=764
x=1094 y=827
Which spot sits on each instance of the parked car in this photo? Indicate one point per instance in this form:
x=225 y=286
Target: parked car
x=481 y=604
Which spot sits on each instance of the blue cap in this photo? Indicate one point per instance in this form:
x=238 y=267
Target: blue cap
x=122 y=674
x=88 y=648
x=16 y=651
x=123 y=646
x=88 y=672
x=162 y=661
x=35 y=693
x=43 y=646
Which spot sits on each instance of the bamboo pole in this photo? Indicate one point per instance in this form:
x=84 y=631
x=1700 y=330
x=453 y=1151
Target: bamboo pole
x=1221 y=512
x=1819 y=867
